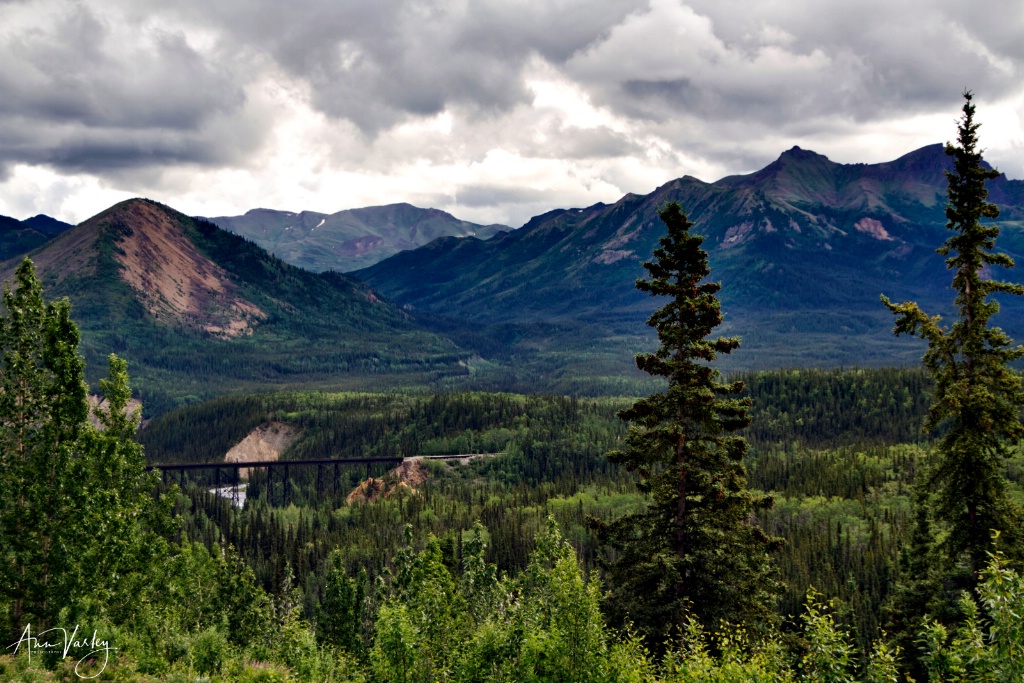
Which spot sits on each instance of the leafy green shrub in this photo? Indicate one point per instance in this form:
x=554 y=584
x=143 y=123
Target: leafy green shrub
x=208 y=651
x=985 y=647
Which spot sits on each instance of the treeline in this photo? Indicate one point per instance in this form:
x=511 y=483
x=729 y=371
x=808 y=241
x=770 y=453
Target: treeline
x=843 y=510
x=845 y=527
x=834 y=407
x=365 y=425
x=550 y=449
x=845 y=515
x=813 y=407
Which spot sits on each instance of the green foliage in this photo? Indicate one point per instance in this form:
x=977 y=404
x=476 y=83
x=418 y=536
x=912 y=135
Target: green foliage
x=830 y=408
x=340 y=614
x=557 y=615
x=829 y=654
x=43 y=410
x=974 y=652
x=207 y=651
x=739 y=662
x=978 y=397
x=843 y=504
x=918 y=594
x=76 y=512
x=544 y=625
x=989 y=643
x=423 y=616
x=692 y=550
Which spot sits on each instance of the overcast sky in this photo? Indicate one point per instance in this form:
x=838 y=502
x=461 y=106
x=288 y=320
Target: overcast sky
x=494 y=110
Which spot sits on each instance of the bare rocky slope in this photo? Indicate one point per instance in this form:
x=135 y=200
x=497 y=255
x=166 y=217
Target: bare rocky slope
x=266 y=443
x=406 y=478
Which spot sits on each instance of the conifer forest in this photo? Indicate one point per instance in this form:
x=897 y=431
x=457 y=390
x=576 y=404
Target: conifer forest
x=827 y=525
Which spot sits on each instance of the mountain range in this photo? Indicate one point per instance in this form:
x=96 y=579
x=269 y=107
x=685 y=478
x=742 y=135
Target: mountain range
x=803 y=249
x=351 y=239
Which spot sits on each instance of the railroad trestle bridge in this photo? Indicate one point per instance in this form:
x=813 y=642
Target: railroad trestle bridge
x=284 y=468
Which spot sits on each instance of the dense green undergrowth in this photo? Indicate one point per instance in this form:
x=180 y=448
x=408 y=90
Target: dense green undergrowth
x=431 y=623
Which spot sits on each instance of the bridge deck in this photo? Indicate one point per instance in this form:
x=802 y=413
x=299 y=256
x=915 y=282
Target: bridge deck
x=270 y=463
x=318 y=461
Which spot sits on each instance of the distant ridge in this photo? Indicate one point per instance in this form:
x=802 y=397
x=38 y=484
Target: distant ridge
x=47 y=225
x=350 y=239
x=19 y=237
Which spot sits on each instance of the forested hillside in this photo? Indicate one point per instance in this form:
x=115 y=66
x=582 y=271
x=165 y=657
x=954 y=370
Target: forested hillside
x=19 y=237
x=839 y=450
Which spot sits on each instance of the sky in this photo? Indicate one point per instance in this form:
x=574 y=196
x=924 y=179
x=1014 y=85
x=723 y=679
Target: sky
x=493 y=110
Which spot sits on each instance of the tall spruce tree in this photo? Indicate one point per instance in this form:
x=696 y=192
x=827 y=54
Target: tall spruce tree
x=978 y=398
x=695 y=551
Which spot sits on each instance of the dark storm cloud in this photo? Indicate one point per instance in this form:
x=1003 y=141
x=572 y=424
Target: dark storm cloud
x=81 y=94
x=380 y=63
x=104 y=151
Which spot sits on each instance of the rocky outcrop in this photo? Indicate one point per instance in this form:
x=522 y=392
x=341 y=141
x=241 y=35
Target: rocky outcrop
x=263 y=444
x=406 y=477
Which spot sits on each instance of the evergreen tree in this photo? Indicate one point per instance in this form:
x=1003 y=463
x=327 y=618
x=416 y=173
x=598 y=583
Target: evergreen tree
x=73 y=499
x=978 y=398
x=340 y=615
x=916 y=598
x=694 y=551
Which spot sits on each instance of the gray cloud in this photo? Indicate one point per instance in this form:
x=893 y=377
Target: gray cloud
x=489 y=195
x=82 y=95
x=789 y=63
x=380 y=63
x=586 y=143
